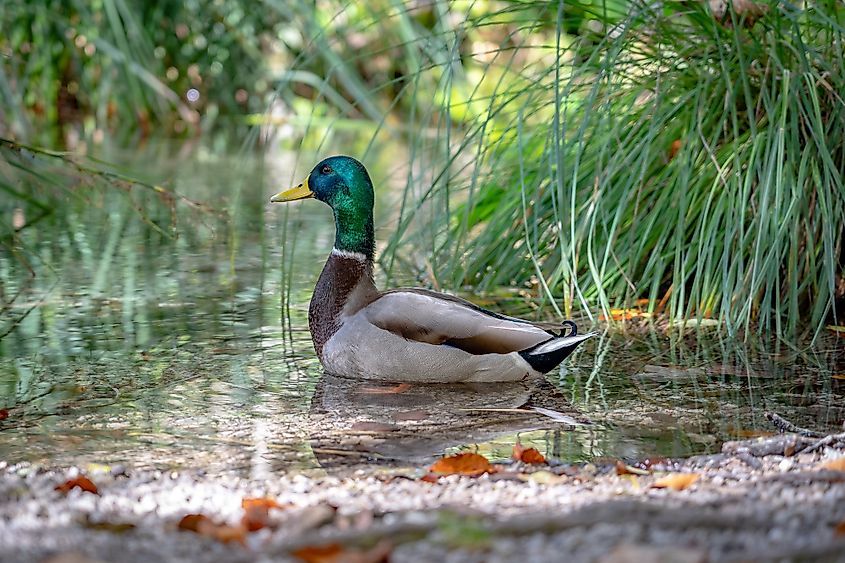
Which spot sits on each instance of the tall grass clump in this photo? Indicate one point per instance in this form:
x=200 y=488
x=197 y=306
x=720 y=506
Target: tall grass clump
x=688 y=158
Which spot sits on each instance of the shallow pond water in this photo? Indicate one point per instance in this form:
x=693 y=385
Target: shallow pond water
x=130 y=347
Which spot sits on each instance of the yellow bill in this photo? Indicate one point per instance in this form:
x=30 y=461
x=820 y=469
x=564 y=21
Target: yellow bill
x=301 y=191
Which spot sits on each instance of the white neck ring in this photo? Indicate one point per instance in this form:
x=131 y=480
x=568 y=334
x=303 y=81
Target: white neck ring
x=349 y=254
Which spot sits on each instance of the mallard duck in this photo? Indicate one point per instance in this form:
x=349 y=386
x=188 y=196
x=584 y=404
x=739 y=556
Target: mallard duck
x=407 y=335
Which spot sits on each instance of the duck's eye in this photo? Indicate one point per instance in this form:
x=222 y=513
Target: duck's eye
x=326 y=169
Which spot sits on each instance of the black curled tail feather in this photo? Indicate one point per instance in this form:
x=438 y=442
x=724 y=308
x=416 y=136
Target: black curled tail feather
x=544 y=362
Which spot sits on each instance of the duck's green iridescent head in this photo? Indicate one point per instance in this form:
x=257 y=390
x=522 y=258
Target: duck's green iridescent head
x=343 y=183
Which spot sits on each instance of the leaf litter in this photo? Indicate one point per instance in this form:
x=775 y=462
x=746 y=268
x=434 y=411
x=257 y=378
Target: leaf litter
x=531 y=456
x=81 y=482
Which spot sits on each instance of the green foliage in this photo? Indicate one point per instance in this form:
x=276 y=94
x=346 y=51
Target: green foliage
x=595 y=153
x=463 y=531
x=670 y=156
x=125 y=66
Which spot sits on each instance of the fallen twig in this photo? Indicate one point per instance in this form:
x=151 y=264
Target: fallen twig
x=782 y=444
x=826 y=441
x=784 y=426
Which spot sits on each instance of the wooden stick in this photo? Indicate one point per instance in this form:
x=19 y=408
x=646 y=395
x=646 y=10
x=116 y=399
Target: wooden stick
x=784 y=426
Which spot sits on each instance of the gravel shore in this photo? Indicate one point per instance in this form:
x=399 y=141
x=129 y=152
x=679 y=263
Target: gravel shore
x=757 y=500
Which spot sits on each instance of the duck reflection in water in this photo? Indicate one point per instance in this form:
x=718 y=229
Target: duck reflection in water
x=408 y=423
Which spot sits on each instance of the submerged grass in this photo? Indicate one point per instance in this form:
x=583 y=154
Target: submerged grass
x=67 y=217
x=674 y=156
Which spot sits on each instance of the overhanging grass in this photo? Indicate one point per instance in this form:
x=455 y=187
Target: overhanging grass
x=692 y=162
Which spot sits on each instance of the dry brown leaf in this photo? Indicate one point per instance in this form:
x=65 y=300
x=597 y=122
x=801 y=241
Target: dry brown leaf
x=430 y=478
x=676 y=481
x=624 y=469
x=527 y=455
x=81 y=482
x=673 y=150
x=224 y=533
x=837 y=464
x=204 y=526
x=4 y=414
x=625 y=314
x=191 y=522
x=336 y=553
x=839 y=529
x=328 y=553
x=462 y=464
x=257 y=512
x=838 y=330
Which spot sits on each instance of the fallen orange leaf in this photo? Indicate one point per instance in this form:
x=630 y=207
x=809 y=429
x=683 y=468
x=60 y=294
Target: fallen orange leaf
x=204 y=526
x=463 y=464
x=81 y=482
x=676 y=481
x=4 y=414
x=624 y=314
x=260 y=502
x=837 y=464
x=328 y=553
x=527 y=455
x=224 y=533
x=839 y=530
x=336 y=553
x=257 y=512
x=191 y=522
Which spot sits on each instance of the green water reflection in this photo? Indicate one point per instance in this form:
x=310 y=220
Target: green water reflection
x=131 y=347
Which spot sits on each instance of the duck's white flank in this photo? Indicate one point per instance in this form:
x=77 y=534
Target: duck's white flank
x=349 y=254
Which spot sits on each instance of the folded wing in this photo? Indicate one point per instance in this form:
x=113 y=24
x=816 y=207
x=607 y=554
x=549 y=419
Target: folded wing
x=436 y=318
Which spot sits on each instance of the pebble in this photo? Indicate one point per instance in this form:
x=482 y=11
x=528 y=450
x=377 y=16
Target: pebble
x=593 y=516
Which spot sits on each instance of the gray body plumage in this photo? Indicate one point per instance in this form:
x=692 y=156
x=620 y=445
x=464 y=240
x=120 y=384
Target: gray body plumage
x=416 y=335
